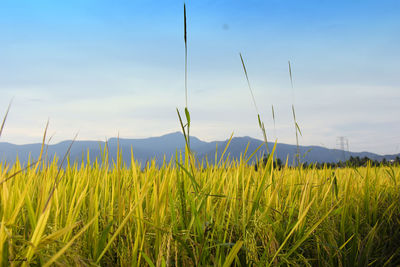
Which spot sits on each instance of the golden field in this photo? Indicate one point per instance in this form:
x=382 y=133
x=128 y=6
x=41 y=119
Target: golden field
x=185 y=214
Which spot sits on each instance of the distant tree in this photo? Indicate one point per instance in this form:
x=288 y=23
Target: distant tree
x=354 y=161
x=278 y=164
x=358 y=161
x=364 y=161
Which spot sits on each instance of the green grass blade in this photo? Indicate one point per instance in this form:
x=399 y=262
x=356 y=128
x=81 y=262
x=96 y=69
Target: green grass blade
x=147 y=259
x=232 y=254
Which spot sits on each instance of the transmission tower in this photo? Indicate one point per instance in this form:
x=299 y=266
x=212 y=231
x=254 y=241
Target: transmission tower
x=343 y=144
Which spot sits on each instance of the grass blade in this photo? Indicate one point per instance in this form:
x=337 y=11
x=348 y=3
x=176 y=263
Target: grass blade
x=185 y=39
x=248 y=83
x=232 y=254
x=56 y=179
x=62 y=251
x=260 y=123
x=5 y=118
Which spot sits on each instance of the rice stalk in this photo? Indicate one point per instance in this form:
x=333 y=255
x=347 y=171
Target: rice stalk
x=296 y=126
x=260 y=122
x=273 y=118
x=5 y=118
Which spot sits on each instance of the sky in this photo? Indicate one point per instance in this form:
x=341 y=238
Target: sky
x=109 y=68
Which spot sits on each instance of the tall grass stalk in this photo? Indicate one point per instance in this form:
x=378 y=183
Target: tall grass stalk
x=185 y=40
x=185 y=127
x=296 y=125
x=5 y=118
x=190 y=161
x=273 y=118
x=260 y=122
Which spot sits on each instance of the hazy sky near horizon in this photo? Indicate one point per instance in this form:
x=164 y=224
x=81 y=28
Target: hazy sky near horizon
x=105 y=68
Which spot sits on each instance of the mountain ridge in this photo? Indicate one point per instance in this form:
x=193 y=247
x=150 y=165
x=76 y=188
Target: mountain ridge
x=146 y=149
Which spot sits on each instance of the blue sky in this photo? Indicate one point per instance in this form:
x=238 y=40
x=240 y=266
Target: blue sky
x=105 y=68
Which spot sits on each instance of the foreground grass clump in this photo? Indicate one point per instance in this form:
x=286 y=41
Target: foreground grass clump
x=184 y=216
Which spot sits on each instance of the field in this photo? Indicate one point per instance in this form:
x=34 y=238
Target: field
x=183 y=215
x=187 y=213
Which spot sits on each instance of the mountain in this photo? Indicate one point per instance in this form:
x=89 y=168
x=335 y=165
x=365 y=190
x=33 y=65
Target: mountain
x=168 y=145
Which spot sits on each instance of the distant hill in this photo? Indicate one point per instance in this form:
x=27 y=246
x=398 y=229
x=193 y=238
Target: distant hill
x=167 y=145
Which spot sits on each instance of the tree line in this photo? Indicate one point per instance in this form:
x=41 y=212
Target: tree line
x=359 y=162
x=351 y=162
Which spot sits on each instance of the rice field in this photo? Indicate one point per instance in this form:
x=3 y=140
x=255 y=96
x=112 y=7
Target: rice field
x=187 y=213
x=182 y=214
